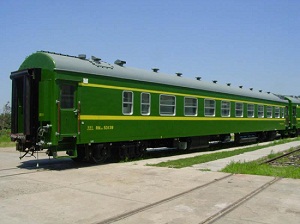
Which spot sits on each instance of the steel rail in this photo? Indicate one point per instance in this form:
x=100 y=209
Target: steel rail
x=237 y=203
x=281 y=156
x=144 y=208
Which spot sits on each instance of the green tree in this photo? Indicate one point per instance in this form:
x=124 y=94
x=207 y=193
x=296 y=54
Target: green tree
x=5 y=117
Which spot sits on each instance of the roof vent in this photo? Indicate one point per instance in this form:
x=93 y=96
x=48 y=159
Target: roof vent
x=215 y=81
x=178 y=74
x=95 y=59
x=229 y=84
x=155 y=69
x=82 y=56
x=241 y=87
x=120 y=62
x=198 y=78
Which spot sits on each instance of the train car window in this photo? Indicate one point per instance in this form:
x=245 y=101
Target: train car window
x=225 y=108
x=209 y=107
x=282 y=112
x=250 y=110
x=145 y=103
x=269 y=112
x=260 y=111
x=277 y=112
x=67 y=93
x=239 y=109
x=190 y=106
x=167 y=105
x=127 y=99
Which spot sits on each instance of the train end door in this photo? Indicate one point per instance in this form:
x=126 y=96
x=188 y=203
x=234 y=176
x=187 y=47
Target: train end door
x=68 y=110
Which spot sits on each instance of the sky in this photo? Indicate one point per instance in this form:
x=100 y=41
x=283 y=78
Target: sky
x=253 y=43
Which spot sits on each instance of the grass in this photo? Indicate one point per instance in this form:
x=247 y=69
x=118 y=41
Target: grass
x=5 y=139
x=186 y=162
x=257 y=168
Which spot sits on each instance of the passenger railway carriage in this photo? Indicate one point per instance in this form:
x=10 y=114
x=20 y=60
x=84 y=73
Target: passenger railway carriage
x=91 y=109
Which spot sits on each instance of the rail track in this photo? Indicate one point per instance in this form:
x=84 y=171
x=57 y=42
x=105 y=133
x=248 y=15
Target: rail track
x=40 y=167
x=291 y=158
x=237 y=203
x=16 y=171
x=144 y=208
x=20 y=173
x=210 y=219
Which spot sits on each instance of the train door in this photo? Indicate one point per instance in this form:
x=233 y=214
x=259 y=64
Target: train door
x=287 y=116
x=68 y=110
x=294 y=118
x=24 y=113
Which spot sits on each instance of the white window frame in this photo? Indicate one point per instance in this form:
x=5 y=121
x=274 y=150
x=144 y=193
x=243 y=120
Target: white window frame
x=127 y=103
x=239 y=109
x=146 y=104
x=250 y=111
x=167 y=105
x=209 y=108
x=260 y=111
x=277 y=112
x=193 y=107
x=225 y=108
x=269 y=111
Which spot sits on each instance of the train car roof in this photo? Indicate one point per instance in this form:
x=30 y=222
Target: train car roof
x=97 y=67
x=293 y=99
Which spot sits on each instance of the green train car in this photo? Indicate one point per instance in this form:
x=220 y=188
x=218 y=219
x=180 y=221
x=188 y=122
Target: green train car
x=87 y=109
x=293 y=115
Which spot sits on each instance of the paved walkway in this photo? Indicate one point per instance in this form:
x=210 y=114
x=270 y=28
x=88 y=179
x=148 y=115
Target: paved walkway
x=221 y=163
x=60 y=191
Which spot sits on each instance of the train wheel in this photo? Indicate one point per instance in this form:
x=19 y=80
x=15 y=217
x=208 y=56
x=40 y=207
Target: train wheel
x=140 y=150
x=271 y=135
x=99 y=153
x=261 y=136
x=123 y=153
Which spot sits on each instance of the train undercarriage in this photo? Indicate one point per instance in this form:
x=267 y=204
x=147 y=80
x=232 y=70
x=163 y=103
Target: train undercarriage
x=103 y=152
